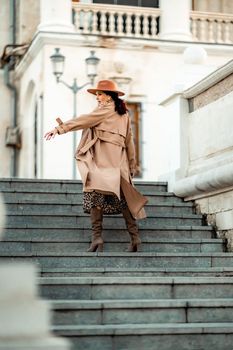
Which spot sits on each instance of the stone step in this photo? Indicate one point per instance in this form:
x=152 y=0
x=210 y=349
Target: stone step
x=67 y=186
x=73 y=221
x=138 y=272
x=155 y=245
x=120 y=288
x=76 y=198
x=143 y=311
x=111 y=234
x=122 y=259
x=191 y=336
x=40 y=208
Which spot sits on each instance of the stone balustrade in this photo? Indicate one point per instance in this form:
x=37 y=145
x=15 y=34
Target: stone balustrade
x=212 y=27
x=115 y=20
x=142 y=22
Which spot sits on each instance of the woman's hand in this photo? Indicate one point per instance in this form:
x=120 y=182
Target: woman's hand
x=51 y=134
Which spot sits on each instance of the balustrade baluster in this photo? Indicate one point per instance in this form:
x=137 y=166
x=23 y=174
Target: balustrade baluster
x=202 y=29
x=80 y=21
x=145 y=30
x=227 y=33
x=128 y=25
x=86 y=23
x=103 y=23
x=153 y=26
x=94 y=23
x=137 y=26
x=111 y=23
x=194 y=29
x=211 y=31
x=219 y=31
x=120 y=23
x=76 y=19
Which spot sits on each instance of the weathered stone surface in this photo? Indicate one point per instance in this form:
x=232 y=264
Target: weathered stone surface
x=215 y=92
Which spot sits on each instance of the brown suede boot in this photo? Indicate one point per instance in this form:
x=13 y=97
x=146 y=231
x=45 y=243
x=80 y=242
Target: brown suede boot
x=96 y=221
x=132 y=229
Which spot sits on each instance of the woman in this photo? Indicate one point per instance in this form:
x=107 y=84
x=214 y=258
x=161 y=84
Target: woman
x=106 y=161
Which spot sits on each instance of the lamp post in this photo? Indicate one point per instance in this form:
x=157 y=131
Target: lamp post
x=58 y=64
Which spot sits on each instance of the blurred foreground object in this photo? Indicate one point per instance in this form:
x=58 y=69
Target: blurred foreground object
x=24 y=318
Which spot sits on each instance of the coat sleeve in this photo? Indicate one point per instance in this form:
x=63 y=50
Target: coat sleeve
x=130 y=148
x=83 y=122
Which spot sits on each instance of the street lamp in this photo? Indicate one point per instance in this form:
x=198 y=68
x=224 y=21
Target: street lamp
x=58 y=64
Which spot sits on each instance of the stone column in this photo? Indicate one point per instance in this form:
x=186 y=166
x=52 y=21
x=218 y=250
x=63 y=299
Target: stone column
x=55 y=16
x=175 y=20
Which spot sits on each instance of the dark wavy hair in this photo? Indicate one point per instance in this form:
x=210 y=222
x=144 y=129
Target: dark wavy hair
x=120 y=106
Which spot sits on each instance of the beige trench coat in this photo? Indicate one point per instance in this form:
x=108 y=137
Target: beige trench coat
x=106 y=154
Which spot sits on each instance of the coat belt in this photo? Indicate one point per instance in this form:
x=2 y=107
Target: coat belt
x=89 y=144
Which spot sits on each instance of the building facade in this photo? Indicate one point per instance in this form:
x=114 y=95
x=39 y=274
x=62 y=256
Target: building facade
x=151 y=49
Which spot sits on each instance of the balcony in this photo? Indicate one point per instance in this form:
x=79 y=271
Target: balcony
x=143 y=23
x=116 y=20
x=212 y=27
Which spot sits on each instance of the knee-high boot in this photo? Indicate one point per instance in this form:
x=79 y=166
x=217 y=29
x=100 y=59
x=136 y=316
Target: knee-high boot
x=132 y=229
x=96 y=222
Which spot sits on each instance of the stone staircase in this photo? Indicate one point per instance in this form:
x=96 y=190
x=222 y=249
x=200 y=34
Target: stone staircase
x=176 y=293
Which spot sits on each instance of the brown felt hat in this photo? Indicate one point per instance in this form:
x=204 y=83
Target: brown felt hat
x=106 y=85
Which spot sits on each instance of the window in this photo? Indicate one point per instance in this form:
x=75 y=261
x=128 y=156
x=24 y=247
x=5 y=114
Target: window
x=142 y=3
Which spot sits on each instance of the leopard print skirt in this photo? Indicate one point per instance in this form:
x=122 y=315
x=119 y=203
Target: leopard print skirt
x=110 y=204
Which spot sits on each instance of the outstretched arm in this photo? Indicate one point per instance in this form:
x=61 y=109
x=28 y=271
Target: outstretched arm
x=83 y=122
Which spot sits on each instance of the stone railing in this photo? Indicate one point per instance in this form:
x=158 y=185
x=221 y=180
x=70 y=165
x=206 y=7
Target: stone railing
x=142 y=22
x=212 y=27
x=116 y=20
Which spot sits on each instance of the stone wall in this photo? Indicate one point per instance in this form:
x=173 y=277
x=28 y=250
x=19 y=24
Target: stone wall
x=212 y=94
x=28 y=18
x=206 y=175
x=219 y=211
